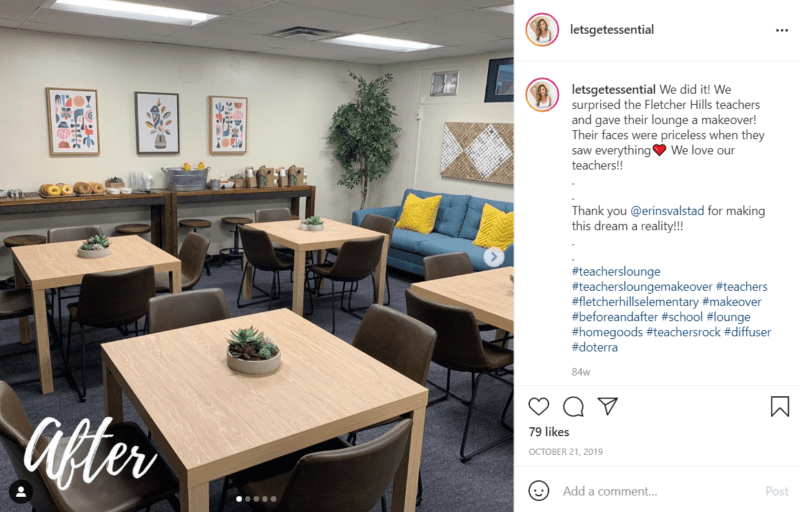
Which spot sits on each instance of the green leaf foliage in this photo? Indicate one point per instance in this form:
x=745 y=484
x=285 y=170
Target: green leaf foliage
x=363 y=134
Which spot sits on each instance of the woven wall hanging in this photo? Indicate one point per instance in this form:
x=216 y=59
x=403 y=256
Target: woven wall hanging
x=479 y=152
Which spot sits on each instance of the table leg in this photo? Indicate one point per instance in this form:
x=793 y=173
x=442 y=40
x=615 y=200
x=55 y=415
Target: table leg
x=194 y=499
x=247 y=288
x=381 y=272
x=112 y=395
x=404 y=491
x=175 y=283
x=299 y=281
x=24 y=322
x=42 y=341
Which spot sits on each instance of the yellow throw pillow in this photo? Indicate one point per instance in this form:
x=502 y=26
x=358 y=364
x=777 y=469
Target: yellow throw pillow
x=497 y=228
x=419 y=214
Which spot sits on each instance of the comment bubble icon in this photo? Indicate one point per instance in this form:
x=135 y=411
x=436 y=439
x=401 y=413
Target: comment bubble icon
x=573 y=406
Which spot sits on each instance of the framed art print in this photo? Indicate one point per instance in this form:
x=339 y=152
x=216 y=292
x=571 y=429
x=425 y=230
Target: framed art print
x=444 y=83
x=500 y=81
x=72 y=122
x=157 y=123
x=228 y=125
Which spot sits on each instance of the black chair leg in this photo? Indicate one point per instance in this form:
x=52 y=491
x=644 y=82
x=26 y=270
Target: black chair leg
x=445 y=389
x=174 y=503
x=465 y=457
x=225 y=486
x=82 y=393
x=383 y=503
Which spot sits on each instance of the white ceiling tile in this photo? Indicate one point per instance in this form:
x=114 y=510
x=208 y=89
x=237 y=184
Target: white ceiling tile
x=224 y=39
x=291 y=15
x=10 y=23
x=232 y=25
x=18 y=9
x=431 y=35
x=481 y=3
x=328 y=51
x=493 y=23
x=98 y=26
x=224 y=7
x=405 y=10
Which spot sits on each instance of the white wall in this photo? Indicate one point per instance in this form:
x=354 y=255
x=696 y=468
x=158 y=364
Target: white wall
x=418 y=158
x=291 y=102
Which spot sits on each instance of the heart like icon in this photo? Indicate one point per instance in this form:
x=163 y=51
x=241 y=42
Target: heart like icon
x=659 y=148
x=538 y=405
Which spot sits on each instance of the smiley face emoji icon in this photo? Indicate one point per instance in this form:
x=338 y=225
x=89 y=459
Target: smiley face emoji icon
x=539 y=490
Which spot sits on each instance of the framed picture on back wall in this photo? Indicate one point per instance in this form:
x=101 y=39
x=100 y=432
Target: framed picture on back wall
x=228 y=125
x=500 y=81
x=157 y=123
x=72 y=121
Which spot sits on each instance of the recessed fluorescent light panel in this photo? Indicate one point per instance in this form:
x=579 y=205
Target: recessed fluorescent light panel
x=509 y=9
x=133 y=11
x=381 y=43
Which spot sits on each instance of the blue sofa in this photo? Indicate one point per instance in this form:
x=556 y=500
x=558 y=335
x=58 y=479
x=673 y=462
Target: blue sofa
x=456 y=227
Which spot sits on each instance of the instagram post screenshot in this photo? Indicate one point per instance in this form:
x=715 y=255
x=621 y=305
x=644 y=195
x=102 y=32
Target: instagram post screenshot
x=263 y=255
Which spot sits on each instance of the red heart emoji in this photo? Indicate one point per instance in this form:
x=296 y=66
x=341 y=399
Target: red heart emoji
x=659 y=148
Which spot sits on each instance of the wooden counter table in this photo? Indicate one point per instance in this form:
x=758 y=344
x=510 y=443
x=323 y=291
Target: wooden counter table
x=488 y=294
x=237 y=194
x=211 y=421
x=55 y=265
x=161 y=221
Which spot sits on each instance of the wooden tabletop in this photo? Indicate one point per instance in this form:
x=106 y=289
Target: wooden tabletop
x=54 y=265
x=212 y=421
x=488 y=294
x=289 y=234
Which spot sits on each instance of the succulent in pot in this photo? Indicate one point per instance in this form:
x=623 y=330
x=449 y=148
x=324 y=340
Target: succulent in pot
x=312 y=224
x=249 y=351
x=96 y=247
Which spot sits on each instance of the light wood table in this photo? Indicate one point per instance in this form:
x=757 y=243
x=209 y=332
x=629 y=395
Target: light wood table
x=488 y=294
x=288 y=234
x=211 y=421
x=56 y=265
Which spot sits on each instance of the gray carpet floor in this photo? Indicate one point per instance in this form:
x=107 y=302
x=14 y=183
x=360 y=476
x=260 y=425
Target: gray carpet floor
x=483 y=483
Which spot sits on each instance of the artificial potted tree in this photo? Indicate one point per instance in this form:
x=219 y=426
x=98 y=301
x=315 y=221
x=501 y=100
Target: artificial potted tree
x=363 y=134
x=249 y=351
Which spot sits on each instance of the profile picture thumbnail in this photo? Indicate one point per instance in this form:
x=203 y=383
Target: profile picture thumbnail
x=542 y=94
x=542 y=29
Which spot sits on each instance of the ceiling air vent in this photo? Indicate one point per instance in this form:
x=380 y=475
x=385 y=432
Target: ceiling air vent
x=303 y=33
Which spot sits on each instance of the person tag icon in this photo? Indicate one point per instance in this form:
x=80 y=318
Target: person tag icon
x=20 y=492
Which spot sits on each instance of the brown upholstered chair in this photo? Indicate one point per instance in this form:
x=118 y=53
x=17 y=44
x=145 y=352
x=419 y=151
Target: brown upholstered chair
x=193 y=257
x=273 y=215
x=176 y=310
x=459 y=347
x=277 y=215
x=114 y=299
x=400 y=342
x=357 y=260
x=380 y=224
x=440 y=266
x=107 y=493
x=261 y=255
x=70 y=234
x=194 y=225
x=332 y=476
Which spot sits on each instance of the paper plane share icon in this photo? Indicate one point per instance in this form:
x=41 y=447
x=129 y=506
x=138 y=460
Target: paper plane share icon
x=608 y=403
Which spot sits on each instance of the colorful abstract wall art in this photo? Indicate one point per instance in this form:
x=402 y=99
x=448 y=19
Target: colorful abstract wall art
x=73 y=121
x=157 y=123
x=228 y=125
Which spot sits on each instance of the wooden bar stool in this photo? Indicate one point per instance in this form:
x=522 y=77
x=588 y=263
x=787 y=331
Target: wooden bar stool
x=133 y=229
x=194 y=225
x=234 y=252
x=19 y=241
